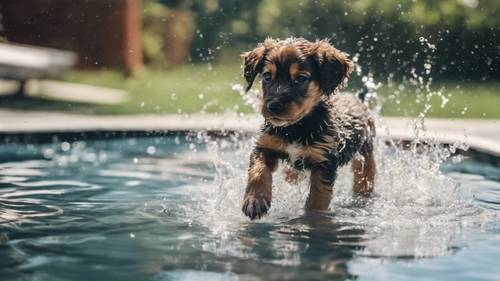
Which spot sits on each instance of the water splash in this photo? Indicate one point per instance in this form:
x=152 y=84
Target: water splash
x=417 y=210
x=251 y=98
x=421 y=209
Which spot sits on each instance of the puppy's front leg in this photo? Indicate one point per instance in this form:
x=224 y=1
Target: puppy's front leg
x=258 y=195
x=321 y=186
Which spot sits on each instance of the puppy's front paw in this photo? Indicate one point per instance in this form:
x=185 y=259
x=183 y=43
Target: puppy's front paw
x=255 y=206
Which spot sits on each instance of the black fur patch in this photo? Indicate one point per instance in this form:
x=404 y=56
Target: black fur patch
x=350 y=134
x=307 y=130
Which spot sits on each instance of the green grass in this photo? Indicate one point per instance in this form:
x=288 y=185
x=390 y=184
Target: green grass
x=461 y=100
x=205 y=88
x=186 y=89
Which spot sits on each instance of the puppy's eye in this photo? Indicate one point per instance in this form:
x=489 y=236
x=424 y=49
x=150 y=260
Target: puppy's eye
x=301 y=79
x=267 y=77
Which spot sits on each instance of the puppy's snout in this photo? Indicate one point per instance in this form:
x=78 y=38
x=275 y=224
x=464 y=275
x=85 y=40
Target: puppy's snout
x=274 y=107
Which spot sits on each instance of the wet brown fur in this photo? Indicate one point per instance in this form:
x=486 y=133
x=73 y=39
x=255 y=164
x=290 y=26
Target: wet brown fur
x=363 y=169
x=318 y=129
x=320 y=194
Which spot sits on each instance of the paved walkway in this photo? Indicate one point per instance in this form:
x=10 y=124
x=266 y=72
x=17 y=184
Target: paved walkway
x=65 y=91
x=482 y=135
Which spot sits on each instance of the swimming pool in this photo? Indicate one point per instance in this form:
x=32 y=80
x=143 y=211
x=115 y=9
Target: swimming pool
x=167 y=208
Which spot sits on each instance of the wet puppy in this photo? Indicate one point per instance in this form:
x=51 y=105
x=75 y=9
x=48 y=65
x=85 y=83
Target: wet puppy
x=307 y=123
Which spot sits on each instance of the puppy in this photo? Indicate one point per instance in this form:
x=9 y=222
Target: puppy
x=307 y=123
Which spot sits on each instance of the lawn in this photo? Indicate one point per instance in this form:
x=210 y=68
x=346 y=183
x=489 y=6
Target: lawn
x=207 y=88
x=461 y=100
x=186 y=89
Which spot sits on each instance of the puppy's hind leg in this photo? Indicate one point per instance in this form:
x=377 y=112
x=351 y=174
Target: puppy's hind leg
x=364 y=170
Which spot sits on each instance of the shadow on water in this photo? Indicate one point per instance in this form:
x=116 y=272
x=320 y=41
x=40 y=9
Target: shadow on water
x=310 y=247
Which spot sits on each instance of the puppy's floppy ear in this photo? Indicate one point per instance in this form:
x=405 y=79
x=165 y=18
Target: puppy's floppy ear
x=333 y=65
x=254 y=61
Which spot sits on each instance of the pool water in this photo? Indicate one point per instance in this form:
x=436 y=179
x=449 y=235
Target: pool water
x=168 y=208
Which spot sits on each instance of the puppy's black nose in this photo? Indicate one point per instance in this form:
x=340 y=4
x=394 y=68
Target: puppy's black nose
x=274 y=107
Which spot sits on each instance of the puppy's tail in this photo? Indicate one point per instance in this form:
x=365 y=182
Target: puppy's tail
x=362 y=93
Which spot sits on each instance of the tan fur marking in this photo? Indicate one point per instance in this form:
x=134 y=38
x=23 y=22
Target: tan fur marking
x=286 y=53
x=294 y=71
x=292 y=113
x=271 y=67
x=271 y=142
x=260 y=179
x=256 y=171
x=314 y=153
x=364 y=174
x=320 y=194
x=314 y=95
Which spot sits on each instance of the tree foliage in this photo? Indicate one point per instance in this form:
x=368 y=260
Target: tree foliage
x=387 y=36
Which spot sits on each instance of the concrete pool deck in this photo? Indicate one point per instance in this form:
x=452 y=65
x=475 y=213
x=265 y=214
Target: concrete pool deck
x=481 y=135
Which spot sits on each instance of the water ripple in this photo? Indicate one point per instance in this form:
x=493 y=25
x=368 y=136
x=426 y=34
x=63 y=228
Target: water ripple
x=176 y=213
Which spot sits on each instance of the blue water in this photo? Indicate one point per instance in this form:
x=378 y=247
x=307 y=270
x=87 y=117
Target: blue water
x=165 y=208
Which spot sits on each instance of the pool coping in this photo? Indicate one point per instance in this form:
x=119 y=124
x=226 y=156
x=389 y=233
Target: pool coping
x=480 y=135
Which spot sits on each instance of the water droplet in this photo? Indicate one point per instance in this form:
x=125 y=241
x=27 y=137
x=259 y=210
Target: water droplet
x=151 y=150
x=65 y=146
x=48 y=153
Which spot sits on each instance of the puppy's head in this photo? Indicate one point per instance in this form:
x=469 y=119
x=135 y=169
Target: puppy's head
x=296 y=75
